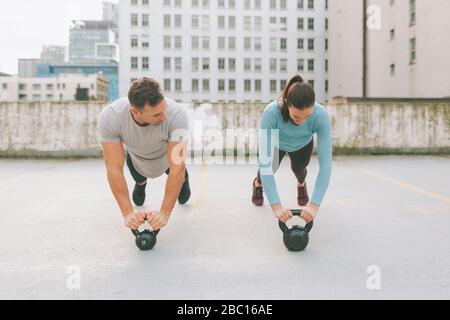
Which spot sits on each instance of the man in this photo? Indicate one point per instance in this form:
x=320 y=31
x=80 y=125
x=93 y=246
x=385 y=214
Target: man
x=154 y=131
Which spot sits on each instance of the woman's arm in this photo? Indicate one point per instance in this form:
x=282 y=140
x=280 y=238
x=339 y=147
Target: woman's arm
x=325 y=153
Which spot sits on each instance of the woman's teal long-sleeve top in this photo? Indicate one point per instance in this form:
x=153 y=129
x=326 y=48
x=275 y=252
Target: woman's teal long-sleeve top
x=289 y=137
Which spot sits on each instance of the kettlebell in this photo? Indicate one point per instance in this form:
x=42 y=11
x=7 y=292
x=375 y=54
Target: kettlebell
x=146 y=239
x=295 y=238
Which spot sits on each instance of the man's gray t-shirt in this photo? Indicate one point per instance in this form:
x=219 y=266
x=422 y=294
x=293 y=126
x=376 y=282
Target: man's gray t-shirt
x=147 y=146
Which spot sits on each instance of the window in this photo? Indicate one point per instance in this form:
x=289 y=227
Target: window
x=412 y=12
x=283 y=5
x=178 y=42
x=134 y=42
x=258 y=63
x=392 y=69
x=300 y=44
x=221 y=64
x=49 y=86
x=232 y=64
x=392 y=34
x=4 y=86
x=134 y=63
x=205 y=43
x=205 y=64
x=221 y=85
x=310 y=23
x=166 y=3
x=194 y=64
x=178 y=21
x=167 y=64
x=231 y=43
x=300 y=64
x=231 y=22
x=282 y=84
x=247 y=5
x=134 y=20
x=247 y=85
x=273 y=4
x=145 y=63
x=232 y=85
x=247 y=64
x=231 y=4
x=178 y=85
x=273 y=64
x=283 y=65
x=195 y=22
x=310 y=64
x=257 y=4
x=310 y=44
x=283 y=23
x=273 y=85
x=178 y=64
x=283 y=44
x=257 y=42
x=221 y=22
x=412 y=51
x=178 y=3
x=257 y=23
x=195 y=85
x=22 y=86
x=205 y=22
x=167 y=21
x=167 y=83
x=167 y=42
x=310 y=4
x=273 y=44
x=300 y=23
x=205 y=84
x=221 y=43
x=258 y=85
x=194 y=3
x=195 y=42
x=247 y=23
x=247 y=43
x=300 y=4
x=145 y=20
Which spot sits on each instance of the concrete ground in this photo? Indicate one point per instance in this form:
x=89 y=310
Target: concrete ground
x=59 y=220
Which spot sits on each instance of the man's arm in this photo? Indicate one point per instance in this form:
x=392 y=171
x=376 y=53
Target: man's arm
x=176 y=157
x=114 y=156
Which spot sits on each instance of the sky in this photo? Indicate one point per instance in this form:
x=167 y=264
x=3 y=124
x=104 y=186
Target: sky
x=26 y=25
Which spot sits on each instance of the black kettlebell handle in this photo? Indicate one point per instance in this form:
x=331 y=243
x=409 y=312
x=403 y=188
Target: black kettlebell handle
x=298 y=213
x=137 y=233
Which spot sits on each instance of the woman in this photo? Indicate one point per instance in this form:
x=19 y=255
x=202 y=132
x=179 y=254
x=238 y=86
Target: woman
x=294 y=117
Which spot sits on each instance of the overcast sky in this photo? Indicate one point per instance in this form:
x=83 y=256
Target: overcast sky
x=26 y=25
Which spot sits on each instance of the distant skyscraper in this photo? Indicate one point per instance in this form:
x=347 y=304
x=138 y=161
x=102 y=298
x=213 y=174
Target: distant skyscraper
x=53 y=54
x=111 y=12
x=93 y=41
x=28 y=67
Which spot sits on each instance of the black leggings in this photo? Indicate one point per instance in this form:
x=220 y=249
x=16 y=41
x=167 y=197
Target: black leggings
x=136 y=175
x=299 y=161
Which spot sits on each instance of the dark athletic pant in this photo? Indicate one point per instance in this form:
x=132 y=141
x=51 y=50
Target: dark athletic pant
x=299 y=161
x=136 y=175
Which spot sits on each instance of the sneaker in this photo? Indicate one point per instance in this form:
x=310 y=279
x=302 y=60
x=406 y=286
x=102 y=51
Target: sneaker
x=257 y=197
x=185 y=193
x=302 y=195
x=139 y=194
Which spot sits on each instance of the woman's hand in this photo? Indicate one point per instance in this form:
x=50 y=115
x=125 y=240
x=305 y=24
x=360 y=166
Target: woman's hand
x=309 y=212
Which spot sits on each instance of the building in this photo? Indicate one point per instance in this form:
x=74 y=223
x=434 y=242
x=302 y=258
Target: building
x=27 y=67
x=53 y=54
x=93 y=41
x=401 y=51
x=65 y=87
x=8 y=87
x=223 y=50
x=109 y=70
x=111 y=12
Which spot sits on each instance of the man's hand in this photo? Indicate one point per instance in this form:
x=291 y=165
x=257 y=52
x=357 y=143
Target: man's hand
x=134 y=220
x=281 y=212
x=157 y=220
x=309 y=212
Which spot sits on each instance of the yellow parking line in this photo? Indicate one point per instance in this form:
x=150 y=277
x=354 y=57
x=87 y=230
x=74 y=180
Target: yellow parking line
x=32 y=172
x=201 y=192
x=398 y=182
